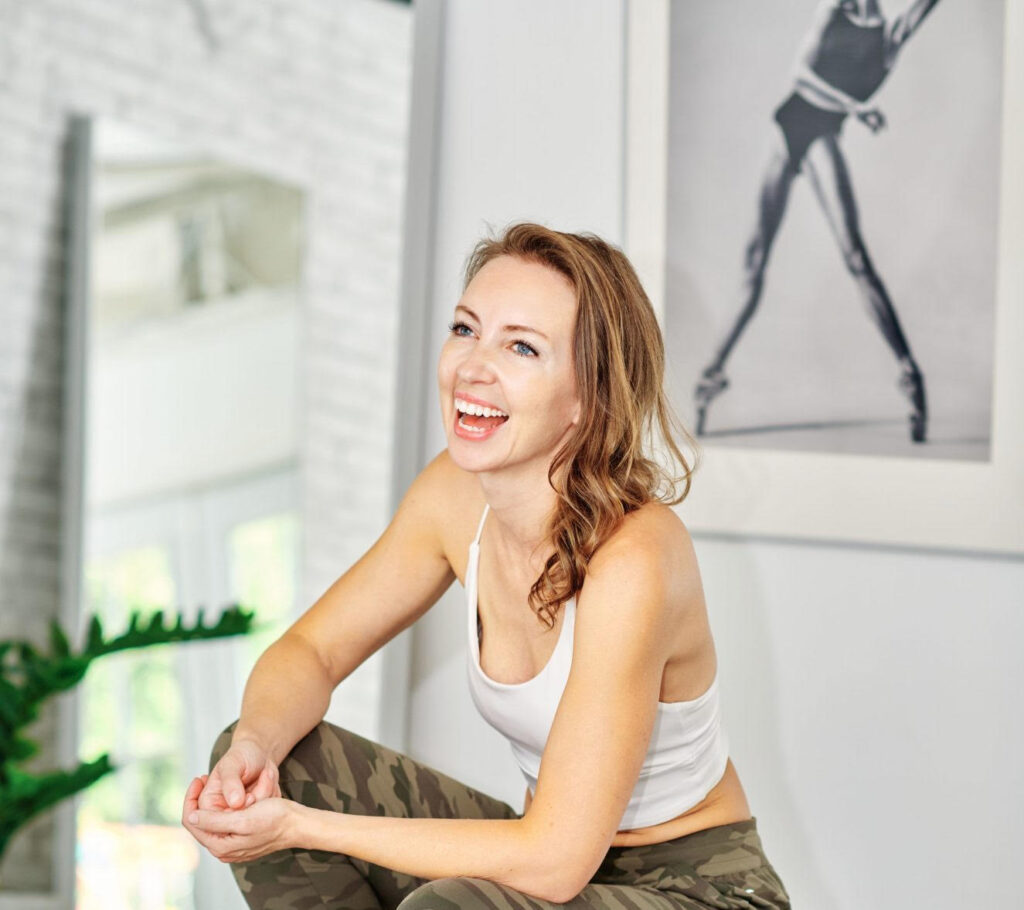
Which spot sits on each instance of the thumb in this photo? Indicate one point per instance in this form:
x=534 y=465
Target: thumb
x=231 y=782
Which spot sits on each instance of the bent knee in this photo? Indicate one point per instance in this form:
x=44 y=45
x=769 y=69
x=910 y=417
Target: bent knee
x=857 y=261
x=458 y=891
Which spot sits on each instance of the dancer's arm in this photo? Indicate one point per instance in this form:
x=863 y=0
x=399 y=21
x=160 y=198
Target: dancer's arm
x=906 y=24
x=590 y=765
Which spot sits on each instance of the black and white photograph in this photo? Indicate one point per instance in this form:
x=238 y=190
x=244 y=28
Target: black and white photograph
x=832 y=201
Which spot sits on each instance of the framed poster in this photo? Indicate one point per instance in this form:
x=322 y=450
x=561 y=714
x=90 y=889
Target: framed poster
x=821 y=202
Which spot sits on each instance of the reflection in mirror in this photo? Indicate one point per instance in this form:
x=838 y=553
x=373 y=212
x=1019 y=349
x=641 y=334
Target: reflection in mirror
x=191 y=479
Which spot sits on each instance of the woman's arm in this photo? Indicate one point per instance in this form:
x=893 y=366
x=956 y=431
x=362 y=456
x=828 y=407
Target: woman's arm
x=591 y=760
x=289 y=689
x=501 y=850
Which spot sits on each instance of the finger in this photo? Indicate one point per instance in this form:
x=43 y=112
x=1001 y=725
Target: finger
x=266 y=784
x=226 y=782
x=217 y=844
x=212 y=796
x=192 y=794
x=232 y=786
x=220 y=822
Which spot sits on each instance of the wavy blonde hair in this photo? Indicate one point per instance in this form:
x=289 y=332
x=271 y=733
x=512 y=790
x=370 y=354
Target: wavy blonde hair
x=605 y=469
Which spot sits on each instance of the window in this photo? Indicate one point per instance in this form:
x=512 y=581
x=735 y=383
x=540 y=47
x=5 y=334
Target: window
x=157 y=710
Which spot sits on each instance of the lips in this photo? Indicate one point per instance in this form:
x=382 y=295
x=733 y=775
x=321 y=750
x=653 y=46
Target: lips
x=476 y=405
x=476 y=419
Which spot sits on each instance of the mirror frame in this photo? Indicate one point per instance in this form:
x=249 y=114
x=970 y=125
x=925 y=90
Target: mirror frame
x=77 y=181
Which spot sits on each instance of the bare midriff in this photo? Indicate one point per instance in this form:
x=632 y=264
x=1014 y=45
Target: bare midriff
x=724 y=804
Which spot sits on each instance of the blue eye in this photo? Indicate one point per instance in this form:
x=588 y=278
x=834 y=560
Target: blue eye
x=523 y=349
x=456 y=329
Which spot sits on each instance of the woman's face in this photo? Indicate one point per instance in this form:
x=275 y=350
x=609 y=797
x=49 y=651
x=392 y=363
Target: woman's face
x=510 y=352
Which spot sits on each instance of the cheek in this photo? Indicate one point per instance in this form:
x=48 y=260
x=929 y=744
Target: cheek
x=446 y=367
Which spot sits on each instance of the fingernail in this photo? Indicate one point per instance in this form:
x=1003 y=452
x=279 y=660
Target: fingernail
x=193 y=819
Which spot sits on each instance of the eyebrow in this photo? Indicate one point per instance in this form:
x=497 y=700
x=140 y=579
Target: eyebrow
x=512 y=327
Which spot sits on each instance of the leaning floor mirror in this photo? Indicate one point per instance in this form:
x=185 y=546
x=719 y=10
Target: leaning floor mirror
x=190 y=485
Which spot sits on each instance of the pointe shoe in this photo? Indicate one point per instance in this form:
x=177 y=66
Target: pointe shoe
x=911 y=384
x=712 y=383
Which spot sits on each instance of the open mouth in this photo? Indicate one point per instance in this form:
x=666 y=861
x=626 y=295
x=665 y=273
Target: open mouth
x=478 y=419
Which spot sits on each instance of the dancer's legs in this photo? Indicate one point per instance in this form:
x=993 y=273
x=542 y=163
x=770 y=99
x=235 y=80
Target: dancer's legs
x=826 y=168
x=776 y=181
x=830 y=177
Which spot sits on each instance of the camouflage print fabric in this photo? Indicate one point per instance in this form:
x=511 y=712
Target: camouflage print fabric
x=722 y=867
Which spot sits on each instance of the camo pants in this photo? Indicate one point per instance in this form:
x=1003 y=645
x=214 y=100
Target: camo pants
x=331 y=768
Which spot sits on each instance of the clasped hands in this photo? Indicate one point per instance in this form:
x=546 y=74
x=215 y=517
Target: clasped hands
x=237 y=811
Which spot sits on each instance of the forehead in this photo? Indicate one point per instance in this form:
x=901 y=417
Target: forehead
x=521 y=289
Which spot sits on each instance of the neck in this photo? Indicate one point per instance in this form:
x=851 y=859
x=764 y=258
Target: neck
x=521 y=507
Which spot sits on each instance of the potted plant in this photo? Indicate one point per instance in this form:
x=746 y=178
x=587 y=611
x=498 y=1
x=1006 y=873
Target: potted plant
x=28 y=677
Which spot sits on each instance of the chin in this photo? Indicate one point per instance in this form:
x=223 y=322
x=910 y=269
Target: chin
x=469 y=459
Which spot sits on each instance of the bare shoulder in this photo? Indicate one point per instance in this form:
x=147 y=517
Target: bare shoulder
x=652 y=536
x=651 y=551
x=449 y=501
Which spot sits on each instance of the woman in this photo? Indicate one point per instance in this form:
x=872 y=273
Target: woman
x=589 y=640
x=847 y=54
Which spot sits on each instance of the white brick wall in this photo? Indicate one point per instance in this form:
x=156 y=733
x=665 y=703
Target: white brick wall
x=314 y=92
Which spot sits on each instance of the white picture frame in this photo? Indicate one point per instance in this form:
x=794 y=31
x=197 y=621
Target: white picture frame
x=913 y=502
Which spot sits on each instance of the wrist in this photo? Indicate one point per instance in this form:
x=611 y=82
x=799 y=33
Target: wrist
x=300 y=826
x=254 y=738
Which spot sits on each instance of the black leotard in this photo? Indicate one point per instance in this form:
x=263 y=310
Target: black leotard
x=850 y=57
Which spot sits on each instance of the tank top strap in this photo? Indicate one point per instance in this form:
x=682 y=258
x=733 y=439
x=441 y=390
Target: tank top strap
x=480 y=529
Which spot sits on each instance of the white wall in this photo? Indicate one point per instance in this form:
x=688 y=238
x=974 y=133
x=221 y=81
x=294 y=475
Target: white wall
x=870 y=694
x=530 y=128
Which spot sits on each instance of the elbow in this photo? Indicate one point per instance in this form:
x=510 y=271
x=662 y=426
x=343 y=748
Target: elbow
x=573 y=879
x=547 y=882
x=558 y=888
x=559 y=864
x=559 y=876
x=564 y=894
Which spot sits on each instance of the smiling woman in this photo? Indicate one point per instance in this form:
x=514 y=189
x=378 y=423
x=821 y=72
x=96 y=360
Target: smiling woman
x=599 y=666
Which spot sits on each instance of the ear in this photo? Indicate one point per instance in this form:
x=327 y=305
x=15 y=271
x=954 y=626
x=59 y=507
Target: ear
x=577 y=411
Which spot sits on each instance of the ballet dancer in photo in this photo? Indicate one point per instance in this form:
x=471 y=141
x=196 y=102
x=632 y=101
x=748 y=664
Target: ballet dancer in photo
x=849 y=51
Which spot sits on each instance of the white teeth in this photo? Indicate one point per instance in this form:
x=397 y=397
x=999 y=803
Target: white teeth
x=466 y=426
x=464 y=407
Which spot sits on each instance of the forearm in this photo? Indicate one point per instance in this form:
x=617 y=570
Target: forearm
x=908 y=23
x=500 y=850
x=287 y=694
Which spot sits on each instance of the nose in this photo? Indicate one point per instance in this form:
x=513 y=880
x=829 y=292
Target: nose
x=475 y=366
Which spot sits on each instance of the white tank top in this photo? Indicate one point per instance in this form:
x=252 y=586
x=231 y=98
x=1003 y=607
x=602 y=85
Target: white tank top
x=688 y=749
